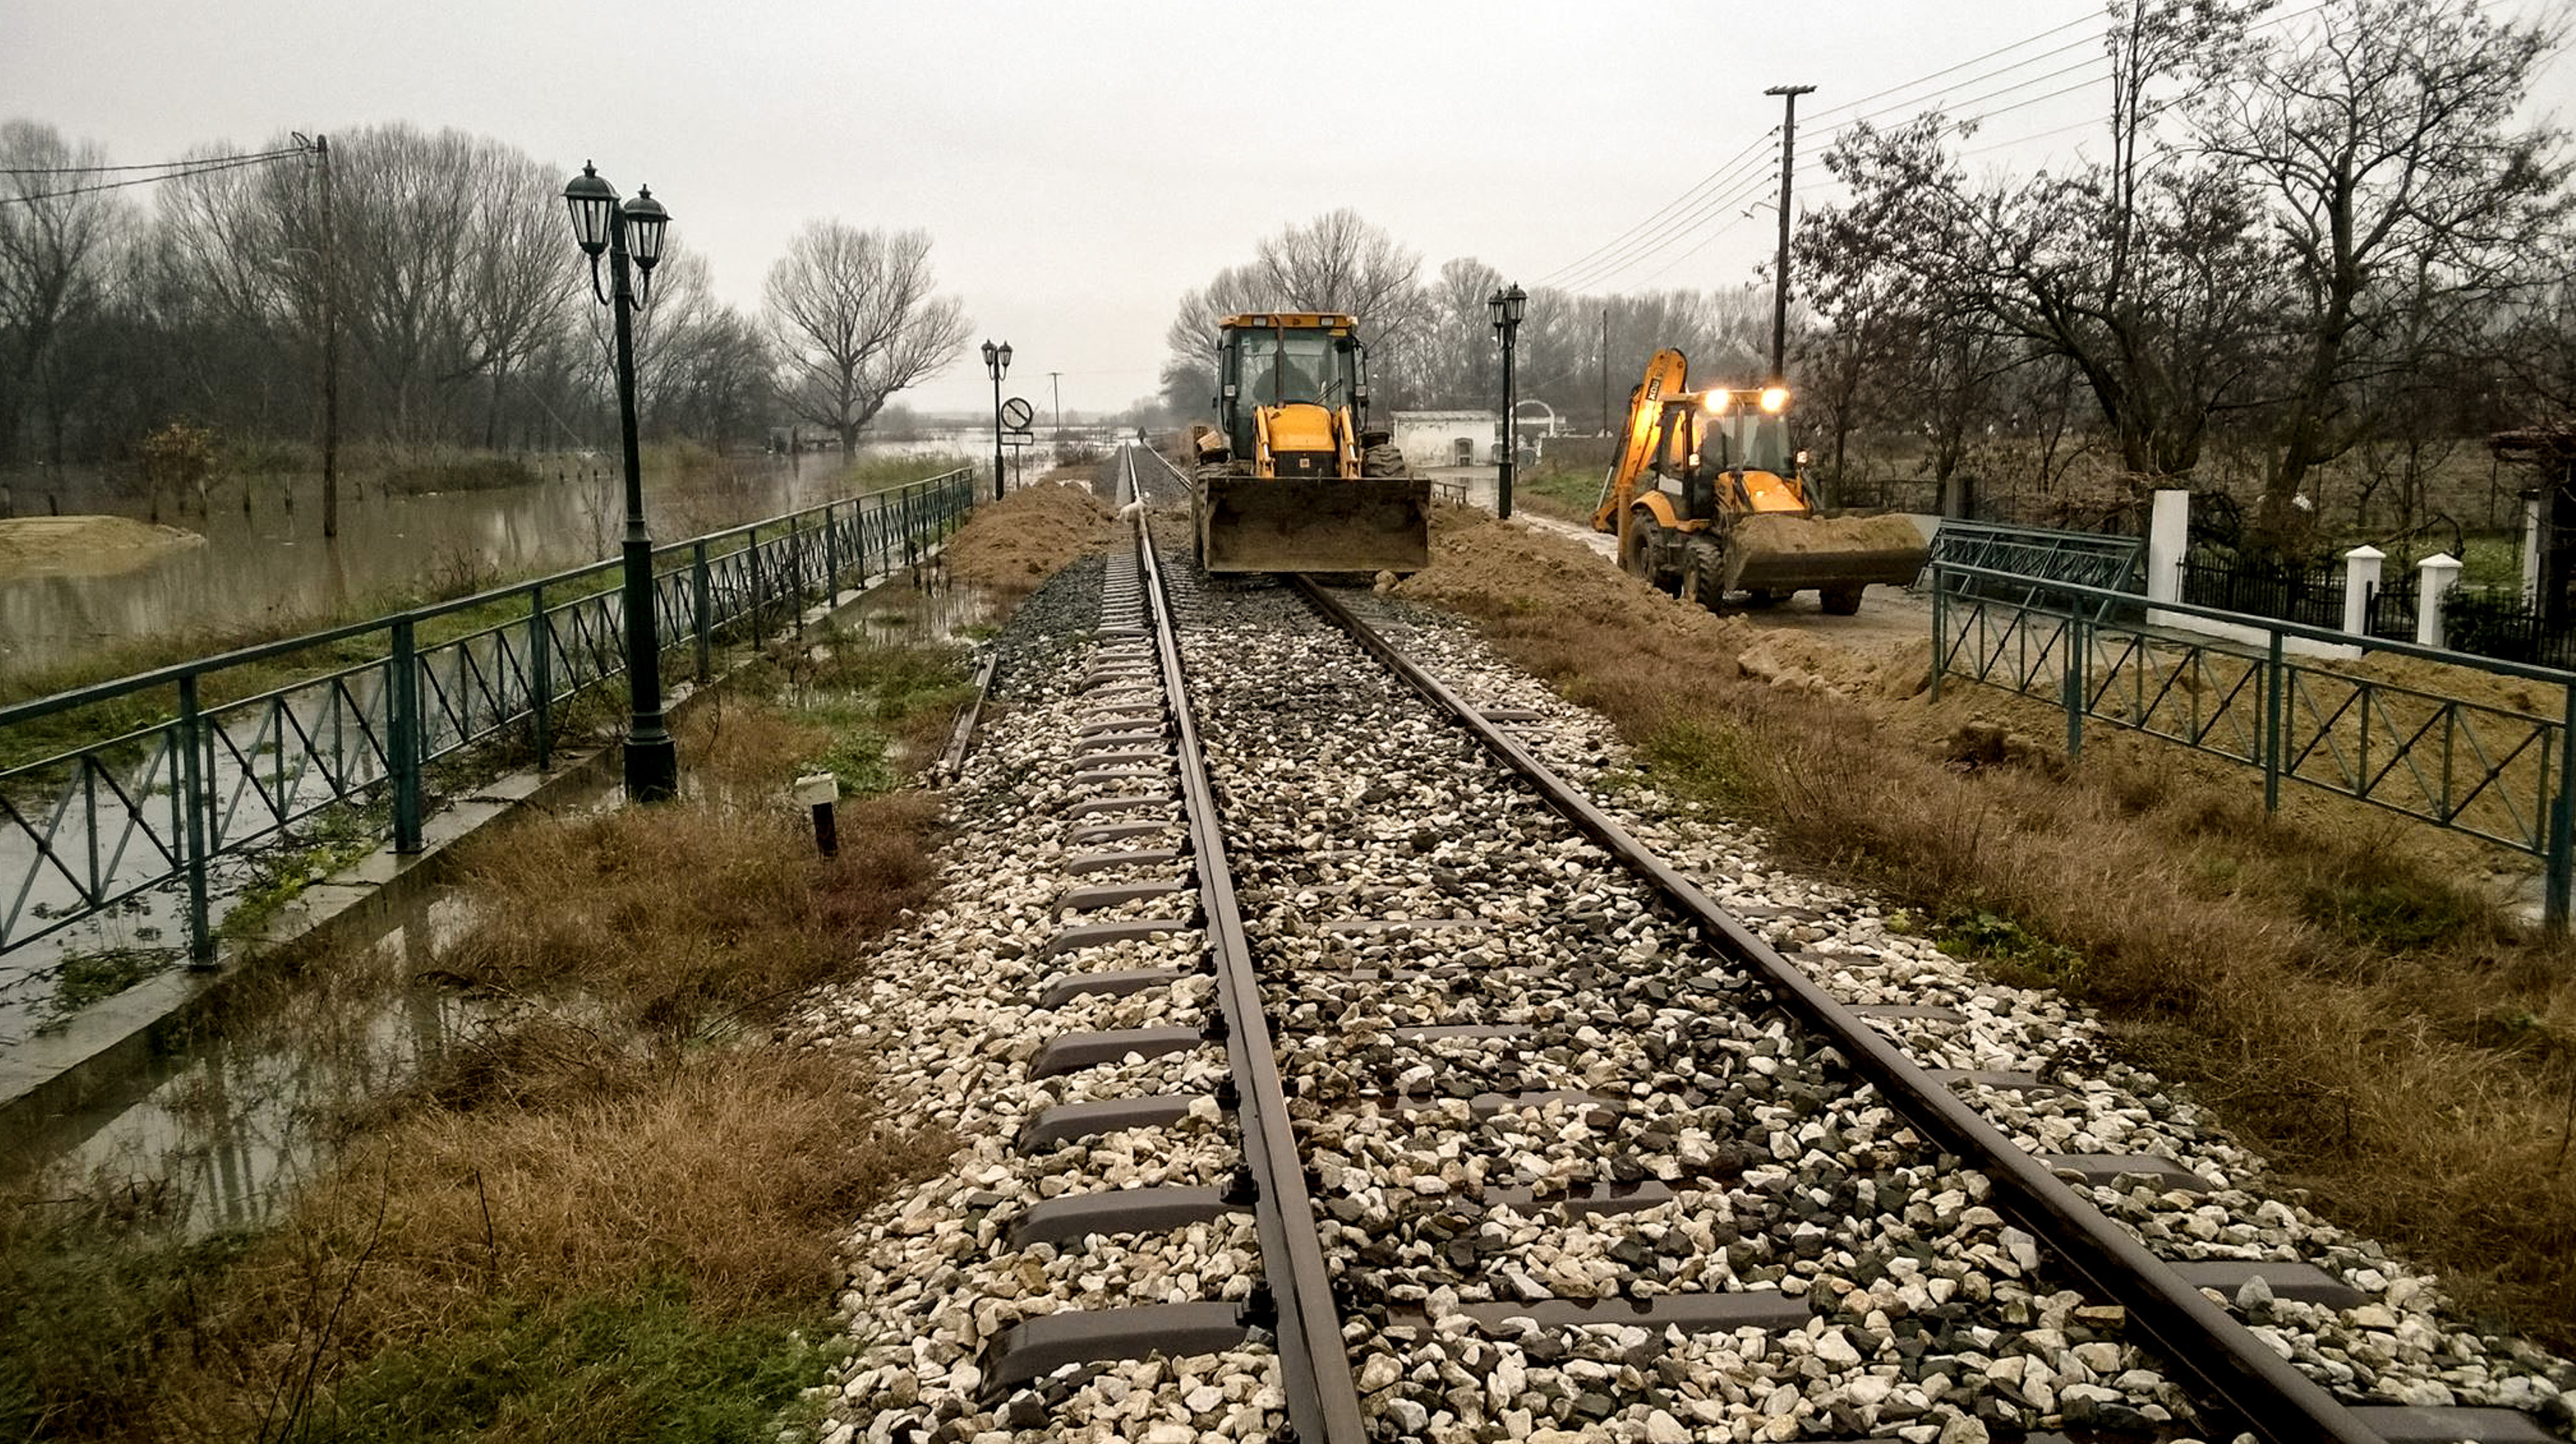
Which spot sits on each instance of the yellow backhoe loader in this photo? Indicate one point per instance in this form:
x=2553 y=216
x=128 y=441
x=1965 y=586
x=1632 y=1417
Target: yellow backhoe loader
x=1290 y=479
x=1706 y=499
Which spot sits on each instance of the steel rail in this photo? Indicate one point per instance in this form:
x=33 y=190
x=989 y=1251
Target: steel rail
x=1323 y=1399
x=2197 y=1337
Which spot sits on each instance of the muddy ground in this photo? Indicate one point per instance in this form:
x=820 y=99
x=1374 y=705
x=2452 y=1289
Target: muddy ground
x=83 y=545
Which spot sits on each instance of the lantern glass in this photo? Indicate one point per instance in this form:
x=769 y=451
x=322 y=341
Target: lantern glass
x=989 y=354
x=1494 y=308
x=1005 y=354
x=1515 y=302
x=645 y=219
x=592 y=201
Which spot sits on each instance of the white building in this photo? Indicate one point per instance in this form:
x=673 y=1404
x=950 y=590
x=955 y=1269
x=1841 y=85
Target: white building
x=1448 y=438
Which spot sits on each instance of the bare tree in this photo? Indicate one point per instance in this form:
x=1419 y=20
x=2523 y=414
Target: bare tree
x=516 y=284
x=1188 y=379
x=1336 y=262
x=53 y=242
x=2402 y=196
x=1458 y=361
x=702 y=368
x=855 y=318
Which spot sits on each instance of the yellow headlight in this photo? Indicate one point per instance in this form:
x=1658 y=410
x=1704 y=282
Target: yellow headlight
x=1715 y=401
x=1775 y=397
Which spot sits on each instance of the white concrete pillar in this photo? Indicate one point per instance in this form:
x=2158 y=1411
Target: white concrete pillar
x=2360 y=578
x=2168 y=533
x=2531 y=545
x=2436 y=575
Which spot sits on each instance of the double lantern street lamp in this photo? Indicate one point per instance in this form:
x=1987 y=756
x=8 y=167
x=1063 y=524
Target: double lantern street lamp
x=632 y=230
x=1506 y=308
x=997 y=360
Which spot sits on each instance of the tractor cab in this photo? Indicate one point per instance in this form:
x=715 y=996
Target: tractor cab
x=1268 y=362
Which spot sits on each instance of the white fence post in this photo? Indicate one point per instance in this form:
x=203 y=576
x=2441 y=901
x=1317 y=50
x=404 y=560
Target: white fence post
x=2531 y=545
x=2360 y=579
x=2168 y=533
x=2436 y=575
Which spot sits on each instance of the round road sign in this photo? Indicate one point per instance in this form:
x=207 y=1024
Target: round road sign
x=1016 y=414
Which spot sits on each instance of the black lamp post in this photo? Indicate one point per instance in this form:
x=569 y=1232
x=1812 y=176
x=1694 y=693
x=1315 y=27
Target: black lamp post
x=632 y=230
x=997 y=360
x=1506 y=307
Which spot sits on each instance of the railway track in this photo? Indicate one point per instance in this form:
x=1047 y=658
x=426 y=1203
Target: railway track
x=1361 y=1075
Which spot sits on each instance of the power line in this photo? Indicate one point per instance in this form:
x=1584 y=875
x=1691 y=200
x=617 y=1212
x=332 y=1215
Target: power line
x=1980 y=60
x=1720 y=196
x=156 y=165
x=1691 y=214
x=2096 y=62
x=1696 y=206
x=1723 y=166
x=193 y=169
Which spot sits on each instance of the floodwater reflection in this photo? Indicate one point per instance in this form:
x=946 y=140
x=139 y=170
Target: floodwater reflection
x=268 y=566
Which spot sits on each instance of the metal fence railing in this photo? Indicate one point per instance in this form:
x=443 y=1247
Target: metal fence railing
x=2497 y=769
x=164 y=795
x=2506 y=623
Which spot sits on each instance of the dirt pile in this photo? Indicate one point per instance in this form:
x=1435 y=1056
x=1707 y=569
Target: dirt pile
x=1776 y=534
x=83 y=545
x=1013 y=544
x=1480 y=565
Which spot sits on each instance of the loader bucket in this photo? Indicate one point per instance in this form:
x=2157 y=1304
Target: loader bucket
x=1784 y=553
x=1314 y=524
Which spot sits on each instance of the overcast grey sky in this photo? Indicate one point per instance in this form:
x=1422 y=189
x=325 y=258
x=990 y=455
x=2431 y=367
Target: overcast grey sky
x=1080 y=165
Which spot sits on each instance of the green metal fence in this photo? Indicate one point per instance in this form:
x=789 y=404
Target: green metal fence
x=250 y=743
x=2379 y=729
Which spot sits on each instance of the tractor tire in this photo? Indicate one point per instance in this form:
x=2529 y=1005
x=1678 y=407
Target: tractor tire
x=1643 y=553
x=1383 y=460
x=1840 y=601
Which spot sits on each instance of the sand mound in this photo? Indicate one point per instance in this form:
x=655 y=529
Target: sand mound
x=75 y=545
x=1017 y=542
x=1480 y=565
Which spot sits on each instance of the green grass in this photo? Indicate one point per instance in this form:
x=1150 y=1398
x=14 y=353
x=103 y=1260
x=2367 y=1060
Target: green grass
x=2492 y=561
x=329 y=841
x=480 y=472
x=639 y=1366
x=886 y=473
x=84 y=979
x=868 y=698
x=2010 y=951
x=1568 y=494
x=93 y=1297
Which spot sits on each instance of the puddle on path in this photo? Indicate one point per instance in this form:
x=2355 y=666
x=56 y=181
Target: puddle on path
x=239 y=1119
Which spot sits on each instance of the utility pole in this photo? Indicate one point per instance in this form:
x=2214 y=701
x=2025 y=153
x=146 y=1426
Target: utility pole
x=1058 y=393
x=1780 y=279
x=330 y=348
x=1605 y=370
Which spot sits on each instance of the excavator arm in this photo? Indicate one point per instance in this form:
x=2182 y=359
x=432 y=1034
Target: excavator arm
x=1665 y=375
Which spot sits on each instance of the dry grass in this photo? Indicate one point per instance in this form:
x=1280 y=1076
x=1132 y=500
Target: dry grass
x=604 y=1220
x=687 y=919
x=2354 y=1014
x=725 y=1169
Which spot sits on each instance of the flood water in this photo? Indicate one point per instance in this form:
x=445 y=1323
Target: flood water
x=232 y=1123
x=270 y=566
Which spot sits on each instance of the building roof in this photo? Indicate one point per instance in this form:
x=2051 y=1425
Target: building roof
x=2540 y=443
